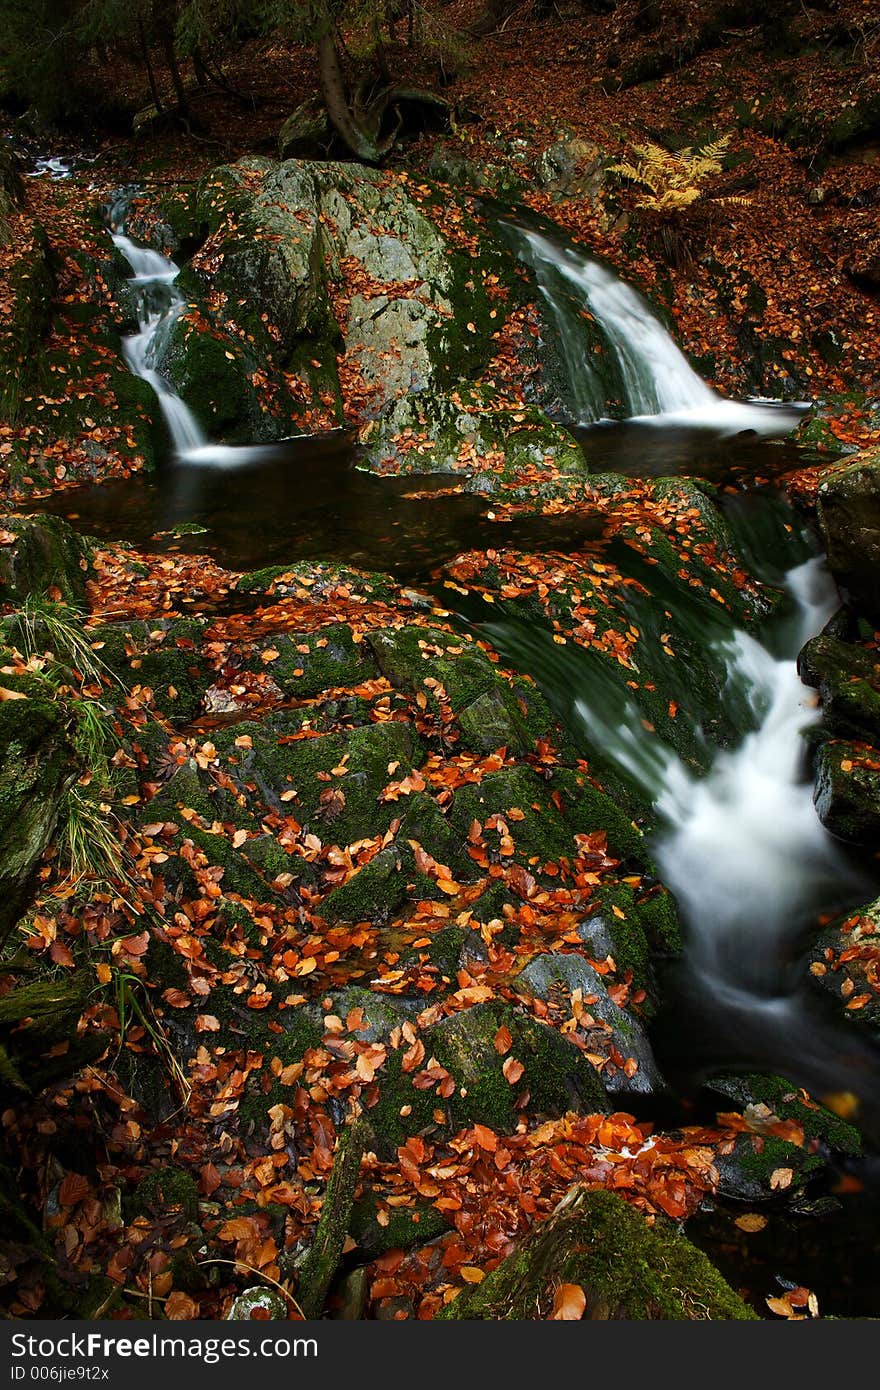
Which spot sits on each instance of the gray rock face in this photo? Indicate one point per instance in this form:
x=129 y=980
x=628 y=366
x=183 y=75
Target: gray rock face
x=562 y=974
x=575 y=168
x=311 y=264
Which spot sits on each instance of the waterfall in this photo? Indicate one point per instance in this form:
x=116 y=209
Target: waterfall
x=657 y=382
x=159 y=303
x=744 y=851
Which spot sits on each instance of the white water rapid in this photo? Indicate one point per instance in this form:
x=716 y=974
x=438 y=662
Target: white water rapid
x=159 y=304
x=744 y=851
x=751 y=866
x=659 y=384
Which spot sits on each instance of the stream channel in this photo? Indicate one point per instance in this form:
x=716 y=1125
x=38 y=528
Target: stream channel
x=740 y=846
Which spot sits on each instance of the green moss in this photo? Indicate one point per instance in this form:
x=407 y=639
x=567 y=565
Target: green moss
x=404 y=1226
x=47 y=554
x=311 y=662
x=166 y=1189
x=38 y=764
x=848 y=680
x=626 y=1269
x=338 y=778
x=163 y=655
x=557 y=1076
x=544 y=836
x=588 y=810
x=788 y=1104
x=848 y=792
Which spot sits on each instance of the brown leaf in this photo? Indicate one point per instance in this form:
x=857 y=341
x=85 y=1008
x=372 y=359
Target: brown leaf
x=751 y=1221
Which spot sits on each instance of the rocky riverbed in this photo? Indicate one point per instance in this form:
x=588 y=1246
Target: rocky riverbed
x=302 y=875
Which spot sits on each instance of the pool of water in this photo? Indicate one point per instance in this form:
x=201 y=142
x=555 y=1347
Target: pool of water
x=306 y=500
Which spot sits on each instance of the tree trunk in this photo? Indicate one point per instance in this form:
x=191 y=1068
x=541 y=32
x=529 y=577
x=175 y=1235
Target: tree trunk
x=361 y=143
x=174 y=69
x=151 y=76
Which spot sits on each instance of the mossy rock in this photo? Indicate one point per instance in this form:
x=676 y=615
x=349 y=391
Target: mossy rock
x=848 y=680
x=543 y=836
x=557 y=1076
x=848 y=505
x=751 y=1171
x=46 y=557
x=626 y=1269
x=403 y=1228
x=165 y=656
x=847 y=794
x=30 y=285
x=338 y=778
x=856 y=936
x=589 y=809
x=38 y=764
x=789 y=1104
x=163 y=1190
x=309 y=663
x=555 y=974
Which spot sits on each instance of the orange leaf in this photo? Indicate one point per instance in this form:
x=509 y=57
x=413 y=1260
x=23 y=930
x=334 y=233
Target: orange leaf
x=569 y=1303
x=751 y=1221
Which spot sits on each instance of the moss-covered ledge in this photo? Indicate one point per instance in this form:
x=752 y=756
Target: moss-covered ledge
x=626 y=1269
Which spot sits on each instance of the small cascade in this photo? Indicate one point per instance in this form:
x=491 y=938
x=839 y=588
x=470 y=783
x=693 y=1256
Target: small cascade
x=651 y=374
x=159 y=304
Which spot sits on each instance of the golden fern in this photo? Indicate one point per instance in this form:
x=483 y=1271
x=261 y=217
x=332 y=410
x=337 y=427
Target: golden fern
x=674 y=179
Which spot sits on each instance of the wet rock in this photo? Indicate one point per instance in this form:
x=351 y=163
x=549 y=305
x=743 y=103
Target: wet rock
x=848 y=504
x=759 y=1169
x=258 y=1302
x=555 y=975
x=38 y=765
x=843 y=965
x=42 y=555
x=848 y=680
x=767 y=1099
x=847 y=795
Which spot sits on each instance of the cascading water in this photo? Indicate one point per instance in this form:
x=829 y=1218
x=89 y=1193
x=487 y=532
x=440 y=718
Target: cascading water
x=657 y=382
x=744 y=853
x=159 y=304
